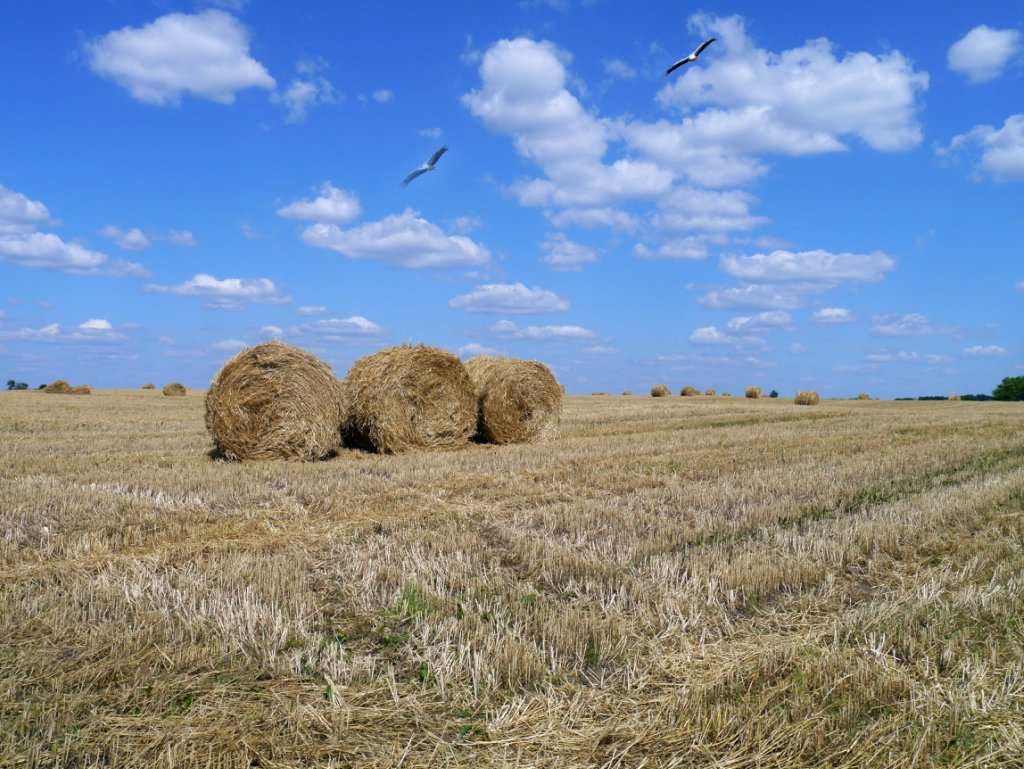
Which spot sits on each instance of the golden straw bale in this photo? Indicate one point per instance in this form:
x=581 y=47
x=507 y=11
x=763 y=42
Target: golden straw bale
x=689 y=391
x=519 y=401
x=149 y=386
x=174 y=388
x=863 y=397
x=58 y=386
x=80 y=390
x=275 y=401
x=807 y=398
x=709 y=392
x=659 y=391
x=753 y=392
x=627 y=392
x=954 y=397
x=409 y=397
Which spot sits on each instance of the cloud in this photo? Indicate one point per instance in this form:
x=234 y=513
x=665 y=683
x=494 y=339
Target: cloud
x=1002 y=149
x=332 y=205
x=311 y=310
x=506 y=329
x=305 y=92
x=565 y=255
x=182 y=238
x=230 y=345
x=226 y=294
x=273 y=331
x=679 y=248
x=383 y=96
x=619 y=70
x=473 y=349
x=205 y=54
x=818 y=265
x=403 y=240
x=709 y=335
x=764 y=321
x=523 y=94
x=986 y=351
x=47 y=251
x=690 y=208
x=509 y=298
x=800 y=101
x=19 y=215
x=983 y=53
x=96 y=324
x=911 y=324
x=130 y=240
x=1019 y=286
x=340 y=329
x=828 y=315
x=92 y=330
x=905 y=357
x=780 y=296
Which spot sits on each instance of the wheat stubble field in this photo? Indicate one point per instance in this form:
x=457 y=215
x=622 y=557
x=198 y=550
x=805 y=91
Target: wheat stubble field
x=693 y=582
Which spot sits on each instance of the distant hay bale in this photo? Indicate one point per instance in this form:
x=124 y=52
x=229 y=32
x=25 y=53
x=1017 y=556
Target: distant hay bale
x=519 y=401
x=174 y=388
x=659 y=391
x=709 y=392
x=689 y=391
x=954 y=397
x=275 y=401
x=726 y=395
x=627 y=392
x=149 y=386
x=753 y=392
x=80 y=390
x=863 y=397
x=409 y=397
x=807 y=398
x=58 y=386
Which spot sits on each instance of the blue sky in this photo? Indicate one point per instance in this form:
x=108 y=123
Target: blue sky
x=830 y=198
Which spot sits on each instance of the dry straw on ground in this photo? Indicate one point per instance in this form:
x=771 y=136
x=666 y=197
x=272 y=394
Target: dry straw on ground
x=807 y=398
x=149 y=386
x=688 y=391
x=863 y=397
x=275 y=401
x=174 y=388
x=80 y=390
x=659 y=391
x=409 y=397
x=58 y=386
x=753 y=392
x=519 y=401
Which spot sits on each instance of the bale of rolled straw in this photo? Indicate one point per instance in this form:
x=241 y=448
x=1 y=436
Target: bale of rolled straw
x=275 y=401
x=954 y=397
x=409 y=397
x=807 y=398
x=627 y=392
x=659 y=391
x=58 y=387
x=149 y=386
x=518 y=401
x=709 y=392
x=753 y=392
x=174 y=388
x=689 y=391
x=80 y=390
x=863 y=397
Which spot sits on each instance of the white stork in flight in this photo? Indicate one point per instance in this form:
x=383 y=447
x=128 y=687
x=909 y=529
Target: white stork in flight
x=430 y=165
x=692 y=57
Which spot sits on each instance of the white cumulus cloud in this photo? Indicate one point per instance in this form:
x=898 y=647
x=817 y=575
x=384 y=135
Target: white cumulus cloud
x=1002 y=149
x=331 y=205
x=130 y=240
x=986 y=350
x=832 y=315
x=226 y=293
x=18 y=214
x=560 y=253
x=983 y=53
x=205 y=54
x=817 y=265
x=506 y=329
x=509 y=298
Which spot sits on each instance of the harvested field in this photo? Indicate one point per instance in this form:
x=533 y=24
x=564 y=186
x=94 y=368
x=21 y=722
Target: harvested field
x=697 y=583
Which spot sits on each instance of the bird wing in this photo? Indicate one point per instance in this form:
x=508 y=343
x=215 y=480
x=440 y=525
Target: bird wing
x=437 y=155
x=418 y=172
x=676 y=66
x=703 y=45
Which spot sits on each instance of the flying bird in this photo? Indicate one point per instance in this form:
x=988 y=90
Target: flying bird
x=692 y=57
x=430 y=165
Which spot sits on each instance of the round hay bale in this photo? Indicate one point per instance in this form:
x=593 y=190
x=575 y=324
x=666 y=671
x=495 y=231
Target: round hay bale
x=689 y=391
x=954 y=397
x=80 y=390
x=627 y=392
x=519 y=401
x=863 y=397
x=174 y=388
x=149 y=386
x=58 y=386
x=807 y=398
x=726 y=395
x=659 y=391
x=275 y=401
x=709 y=392
x=753 y=392
x=409 y=397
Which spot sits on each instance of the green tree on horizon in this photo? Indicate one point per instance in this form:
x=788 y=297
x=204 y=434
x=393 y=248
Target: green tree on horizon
x=1010 y=389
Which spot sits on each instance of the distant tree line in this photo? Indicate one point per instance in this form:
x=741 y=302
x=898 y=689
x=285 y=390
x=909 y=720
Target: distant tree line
x=12 y=385
x=1010 y=389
